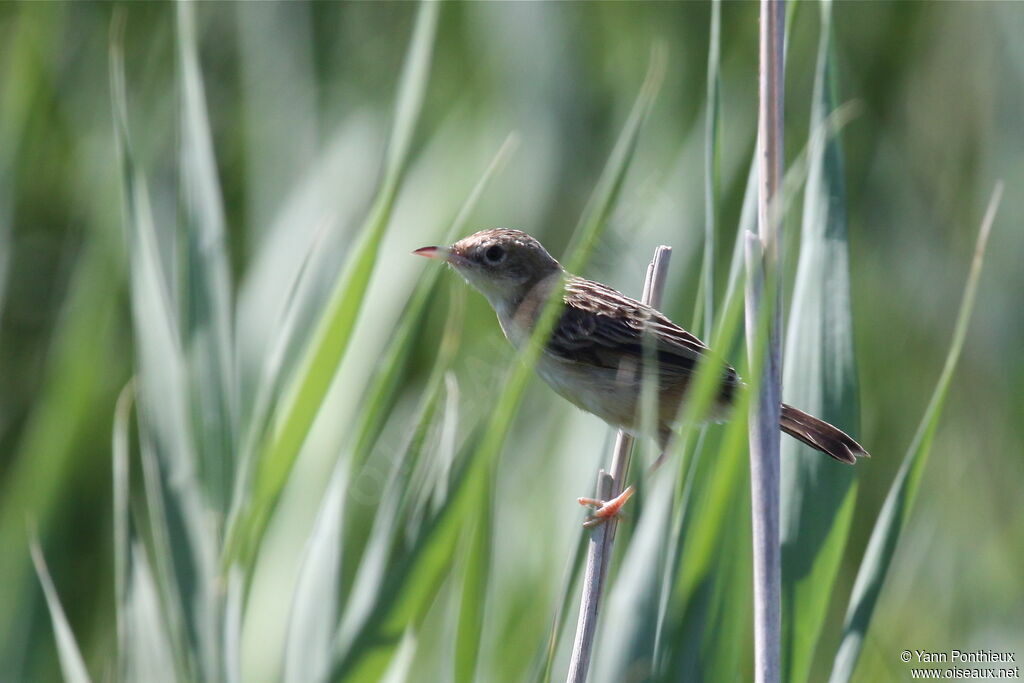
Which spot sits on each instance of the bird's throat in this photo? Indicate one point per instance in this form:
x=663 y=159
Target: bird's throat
x=518 y=314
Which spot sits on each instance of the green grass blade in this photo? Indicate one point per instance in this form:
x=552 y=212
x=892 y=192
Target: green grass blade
x=160 y=359
x=712 y=156
x=707 y=625
x=314 y=607
x=594 y=218
x=149 y=653
x=695 y=524
x=188 y=549
x=473 y=588
x=383 y=390
x=414 y=581
x=322 y=358
x=47 y=458
x=46 y=461
x=820 y=377
x=161 y=570
x=122 y=520
x=900 y=500
x=390 y=594
x=30 y=36
x=394 y=589
x=639 y=596
x=747 y=223
x=233 y=613
x=587 y=233
x=71 y=663
x=630 y=617
x=564 y=606
x=401 y=666
x=207 y=319
x=269 y=385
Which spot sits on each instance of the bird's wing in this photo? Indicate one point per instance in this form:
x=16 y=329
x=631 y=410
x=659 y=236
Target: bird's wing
x=599 y=326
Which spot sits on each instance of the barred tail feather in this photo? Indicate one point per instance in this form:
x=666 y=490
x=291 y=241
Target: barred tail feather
x=820 y=435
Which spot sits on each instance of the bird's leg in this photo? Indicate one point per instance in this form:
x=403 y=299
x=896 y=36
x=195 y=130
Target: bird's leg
x=606 y=509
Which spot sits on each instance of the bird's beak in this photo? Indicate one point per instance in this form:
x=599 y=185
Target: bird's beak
x=442 y=254
x=433 y=252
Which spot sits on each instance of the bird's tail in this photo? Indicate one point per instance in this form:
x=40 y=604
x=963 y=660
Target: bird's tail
x=820 y=435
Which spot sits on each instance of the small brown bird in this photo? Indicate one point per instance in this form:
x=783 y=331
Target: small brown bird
x=598 y=343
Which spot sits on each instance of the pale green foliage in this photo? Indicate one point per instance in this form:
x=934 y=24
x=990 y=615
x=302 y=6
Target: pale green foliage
x=327 y=465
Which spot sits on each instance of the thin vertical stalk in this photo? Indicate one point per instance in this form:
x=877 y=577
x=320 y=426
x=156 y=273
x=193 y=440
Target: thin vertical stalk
x=599 y=550
x=711 y=167
x=763 y=267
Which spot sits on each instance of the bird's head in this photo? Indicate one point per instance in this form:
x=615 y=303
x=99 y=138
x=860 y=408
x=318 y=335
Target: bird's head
x=501 y=264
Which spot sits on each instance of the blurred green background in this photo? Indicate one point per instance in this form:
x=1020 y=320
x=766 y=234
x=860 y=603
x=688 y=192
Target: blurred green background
x=299 y=100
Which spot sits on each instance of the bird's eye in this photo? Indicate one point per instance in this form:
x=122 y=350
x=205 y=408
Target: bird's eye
x=494 y=254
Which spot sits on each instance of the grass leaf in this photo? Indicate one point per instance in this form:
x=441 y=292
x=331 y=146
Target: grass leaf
x=188 y=546
x=321 y=360
x=475 y=575
x=382 y=393
x=122 y=521
x=418 y=576
x=71 y=663
x=820 y=377
x=398 y=577
x=712 y=156
x=900 y=500
x=150 y=650
x=314 y=607
x=208 y=316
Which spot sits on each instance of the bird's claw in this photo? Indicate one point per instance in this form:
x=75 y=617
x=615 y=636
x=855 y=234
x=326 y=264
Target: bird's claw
x=605 y=509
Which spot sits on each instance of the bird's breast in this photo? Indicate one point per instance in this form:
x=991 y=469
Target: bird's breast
x=601 y=391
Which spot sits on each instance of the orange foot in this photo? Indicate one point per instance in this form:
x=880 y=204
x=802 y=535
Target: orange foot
x=606 y=509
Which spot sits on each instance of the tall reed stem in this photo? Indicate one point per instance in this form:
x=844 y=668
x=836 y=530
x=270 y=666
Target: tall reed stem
x=763 y=260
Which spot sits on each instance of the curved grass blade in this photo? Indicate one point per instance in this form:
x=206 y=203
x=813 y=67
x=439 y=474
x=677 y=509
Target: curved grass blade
x=322 y=358
x=473 y=587
x=592 y=222
x=412 y=582
x=401 y=666
x=546 y=663
x=233 y=609
x=698 y=596
x=73 y=389
x=72 y=396
x=383 y=391
x=709 y=603
x=207 y=280
x=314 y=607
x=185 y=557
x=591 y=225
x=712 y=157
x=71 y=663
x=122 y=519
x=160 y=568
x=639 y=594
x=820 y=377
x=900 y=500
x=388 y=571
x=149 y=653
x=382 y=394
x=630 y=616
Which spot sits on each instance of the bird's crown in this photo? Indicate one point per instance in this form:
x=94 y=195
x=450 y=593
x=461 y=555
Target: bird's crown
x=505 y=237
